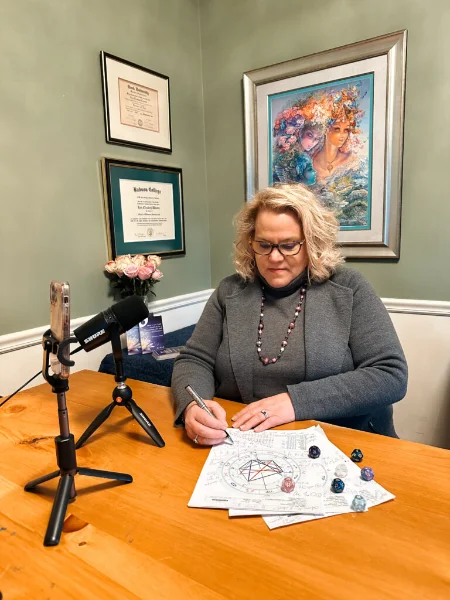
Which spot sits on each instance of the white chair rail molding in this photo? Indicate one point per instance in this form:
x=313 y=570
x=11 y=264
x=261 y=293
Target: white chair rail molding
x=423 y=327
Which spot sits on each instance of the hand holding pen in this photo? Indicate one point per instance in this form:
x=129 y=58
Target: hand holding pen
x=205 y=423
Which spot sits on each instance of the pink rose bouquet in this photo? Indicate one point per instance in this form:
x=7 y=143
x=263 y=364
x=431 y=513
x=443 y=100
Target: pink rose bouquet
x=136 y=274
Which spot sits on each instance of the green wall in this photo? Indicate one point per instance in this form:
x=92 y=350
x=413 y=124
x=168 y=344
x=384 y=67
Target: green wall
x=240 y=35
x=52 y=137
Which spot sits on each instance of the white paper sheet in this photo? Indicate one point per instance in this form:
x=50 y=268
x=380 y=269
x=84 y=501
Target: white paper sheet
x=248 y=474
x=246 y=477
x=336 y=504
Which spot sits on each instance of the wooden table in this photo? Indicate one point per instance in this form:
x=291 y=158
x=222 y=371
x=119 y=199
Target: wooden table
x=142 y=541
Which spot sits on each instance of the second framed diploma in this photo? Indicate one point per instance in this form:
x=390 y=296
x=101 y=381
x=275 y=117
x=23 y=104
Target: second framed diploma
x=144 y=208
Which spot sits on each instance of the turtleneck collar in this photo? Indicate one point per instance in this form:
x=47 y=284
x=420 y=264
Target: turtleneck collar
x=290 y=288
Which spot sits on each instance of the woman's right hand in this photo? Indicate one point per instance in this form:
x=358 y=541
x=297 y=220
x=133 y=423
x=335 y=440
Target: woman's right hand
x=201 y=427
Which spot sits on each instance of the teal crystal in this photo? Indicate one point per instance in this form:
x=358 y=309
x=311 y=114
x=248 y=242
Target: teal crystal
x=358 y=504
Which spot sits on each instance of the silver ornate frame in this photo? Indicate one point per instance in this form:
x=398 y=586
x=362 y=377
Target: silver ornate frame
x=394 y=47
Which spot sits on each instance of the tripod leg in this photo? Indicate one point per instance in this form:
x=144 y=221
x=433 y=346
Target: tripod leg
x=35 y=482
x=56 y=522
x=106 y=474
x=99 y=419
x=144 y=422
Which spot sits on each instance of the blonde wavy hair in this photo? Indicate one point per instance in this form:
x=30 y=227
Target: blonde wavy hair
x=320 y=228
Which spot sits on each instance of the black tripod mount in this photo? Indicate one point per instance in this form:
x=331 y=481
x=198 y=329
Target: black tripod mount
x=65 y=453
x=122 y=396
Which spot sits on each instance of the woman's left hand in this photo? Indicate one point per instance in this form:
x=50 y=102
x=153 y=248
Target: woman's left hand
x=265 y=413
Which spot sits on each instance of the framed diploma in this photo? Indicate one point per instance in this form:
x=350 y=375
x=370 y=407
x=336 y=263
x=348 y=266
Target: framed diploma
x=136 y=105
x=143 y=208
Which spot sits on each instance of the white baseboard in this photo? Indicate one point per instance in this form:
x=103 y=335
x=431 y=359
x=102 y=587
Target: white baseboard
x=423 y=416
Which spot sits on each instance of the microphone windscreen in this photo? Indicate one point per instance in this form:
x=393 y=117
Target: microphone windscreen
x=130 y=311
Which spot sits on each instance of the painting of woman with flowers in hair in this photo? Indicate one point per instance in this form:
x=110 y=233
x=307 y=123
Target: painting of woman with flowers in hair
x=321 y=136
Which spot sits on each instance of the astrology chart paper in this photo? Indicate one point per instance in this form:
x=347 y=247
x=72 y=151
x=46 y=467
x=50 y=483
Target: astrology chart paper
x=335 y=504
x=248 y=474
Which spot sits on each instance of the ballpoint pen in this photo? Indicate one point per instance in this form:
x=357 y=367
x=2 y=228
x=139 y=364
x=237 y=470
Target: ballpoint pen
x=201 y=403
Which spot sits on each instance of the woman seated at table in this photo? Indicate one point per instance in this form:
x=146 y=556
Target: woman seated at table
x=293 y=335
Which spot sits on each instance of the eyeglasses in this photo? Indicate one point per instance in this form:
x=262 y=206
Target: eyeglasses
x=285 y=248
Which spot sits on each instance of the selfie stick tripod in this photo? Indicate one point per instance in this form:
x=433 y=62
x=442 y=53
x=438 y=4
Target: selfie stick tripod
x=122 y=396
x=65 y=453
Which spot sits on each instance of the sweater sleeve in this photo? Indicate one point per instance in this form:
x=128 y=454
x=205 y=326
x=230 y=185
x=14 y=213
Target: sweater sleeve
x=380 y=372
x=195 y=364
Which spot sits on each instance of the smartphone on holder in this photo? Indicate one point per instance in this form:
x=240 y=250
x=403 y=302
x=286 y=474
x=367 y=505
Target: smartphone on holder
x=60 y=323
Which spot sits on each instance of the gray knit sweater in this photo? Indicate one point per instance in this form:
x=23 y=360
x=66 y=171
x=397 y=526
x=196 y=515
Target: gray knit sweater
x=344 y=363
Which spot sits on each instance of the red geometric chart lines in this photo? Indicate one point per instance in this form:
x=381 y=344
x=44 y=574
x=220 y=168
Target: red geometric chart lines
x=256 y=469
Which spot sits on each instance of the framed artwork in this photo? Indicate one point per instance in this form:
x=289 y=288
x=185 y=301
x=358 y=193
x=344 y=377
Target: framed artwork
x=143 y=208
x=136 y=104
x=334 y=122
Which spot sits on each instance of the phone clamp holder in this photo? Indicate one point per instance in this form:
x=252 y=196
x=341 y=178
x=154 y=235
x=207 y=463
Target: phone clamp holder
x=122 y=396
x=65 y=452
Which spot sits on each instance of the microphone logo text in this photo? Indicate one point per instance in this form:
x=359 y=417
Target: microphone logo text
x=94 y=335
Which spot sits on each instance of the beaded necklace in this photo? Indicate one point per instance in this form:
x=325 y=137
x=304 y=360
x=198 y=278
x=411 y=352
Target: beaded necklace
x=264 y=359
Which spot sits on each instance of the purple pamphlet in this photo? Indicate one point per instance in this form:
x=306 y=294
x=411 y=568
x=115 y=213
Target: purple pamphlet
x=152 y=334
x=134 y=341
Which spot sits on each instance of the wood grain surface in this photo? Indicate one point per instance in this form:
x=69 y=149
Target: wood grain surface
x=142 y=541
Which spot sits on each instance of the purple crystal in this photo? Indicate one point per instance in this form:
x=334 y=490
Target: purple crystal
x=367 y=474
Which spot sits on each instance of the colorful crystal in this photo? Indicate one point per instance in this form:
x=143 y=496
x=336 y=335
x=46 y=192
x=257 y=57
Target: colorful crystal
x=357 y=455
x=341 y=471
x=358 y=504
x=367 y=474
x=287 y=485
x=337 y=486
x=314 y=452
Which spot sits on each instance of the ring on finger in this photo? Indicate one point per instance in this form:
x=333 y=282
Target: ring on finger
x=196 y=439
x=265 y=414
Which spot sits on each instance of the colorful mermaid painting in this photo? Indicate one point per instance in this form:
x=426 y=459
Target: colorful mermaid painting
x=321 y=136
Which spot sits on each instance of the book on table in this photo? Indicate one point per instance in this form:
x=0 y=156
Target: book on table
x=165 y=353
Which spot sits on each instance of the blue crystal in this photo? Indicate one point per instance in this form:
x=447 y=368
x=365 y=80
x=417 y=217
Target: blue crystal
x=337 y=485
x=357 y=455
x=314 y=452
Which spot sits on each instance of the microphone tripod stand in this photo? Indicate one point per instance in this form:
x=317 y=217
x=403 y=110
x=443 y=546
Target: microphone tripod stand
x=122 y=396
x=65 y=454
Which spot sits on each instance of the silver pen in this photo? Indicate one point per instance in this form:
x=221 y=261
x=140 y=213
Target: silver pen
x=201 y=403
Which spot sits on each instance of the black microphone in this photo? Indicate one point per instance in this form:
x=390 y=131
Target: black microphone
x=125 y=314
